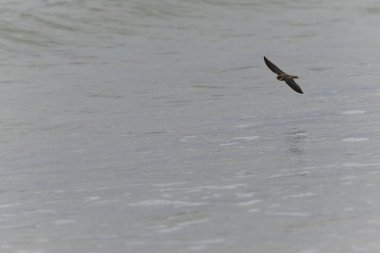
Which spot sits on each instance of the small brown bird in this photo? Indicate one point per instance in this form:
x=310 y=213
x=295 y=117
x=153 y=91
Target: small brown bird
x=282 y=76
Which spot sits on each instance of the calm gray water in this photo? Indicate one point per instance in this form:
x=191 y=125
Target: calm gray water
x=154 y=126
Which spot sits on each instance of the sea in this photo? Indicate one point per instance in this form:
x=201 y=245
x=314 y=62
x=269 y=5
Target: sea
x=154 y=126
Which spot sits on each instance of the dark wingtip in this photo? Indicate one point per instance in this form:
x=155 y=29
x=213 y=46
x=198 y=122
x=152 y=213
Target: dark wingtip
x=266 y=61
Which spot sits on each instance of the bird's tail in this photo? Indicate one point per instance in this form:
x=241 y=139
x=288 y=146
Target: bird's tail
x=295 y=77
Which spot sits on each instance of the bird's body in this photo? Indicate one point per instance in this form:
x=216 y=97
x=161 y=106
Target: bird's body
x=282 y=76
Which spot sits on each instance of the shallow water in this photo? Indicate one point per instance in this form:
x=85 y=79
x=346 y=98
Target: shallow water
x=154 y=126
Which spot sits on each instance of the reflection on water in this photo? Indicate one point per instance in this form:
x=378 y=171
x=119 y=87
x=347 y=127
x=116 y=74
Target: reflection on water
x=296 y=141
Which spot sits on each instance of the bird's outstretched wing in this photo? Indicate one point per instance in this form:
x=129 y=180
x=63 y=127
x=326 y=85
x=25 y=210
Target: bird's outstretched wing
x=273 y=67
x=292 y=84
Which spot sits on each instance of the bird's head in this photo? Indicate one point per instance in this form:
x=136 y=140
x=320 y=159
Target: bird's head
x=280 y=77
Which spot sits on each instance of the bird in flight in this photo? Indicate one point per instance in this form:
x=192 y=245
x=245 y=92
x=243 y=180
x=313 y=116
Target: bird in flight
x=282 y=76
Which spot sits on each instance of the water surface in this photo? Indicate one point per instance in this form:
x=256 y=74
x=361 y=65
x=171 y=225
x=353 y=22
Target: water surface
x=154 y=126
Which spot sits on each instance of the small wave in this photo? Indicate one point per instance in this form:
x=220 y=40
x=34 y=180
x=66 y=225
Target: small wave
x=166 y=202
x=353 y=112
x=249 y=202
x=355 y=139
x=246 y=138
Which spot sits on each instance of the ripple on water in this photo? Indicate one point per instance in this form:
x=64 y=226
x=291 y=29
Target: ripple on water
x=310 y=251
x=165 y=202
x=63 y=222
x=249 y=202
x=291 y=214
x=9 y=205
x=301 y=195
x=360 y=165
x=350 y=112
x=181 y=225
x=243 y=125
x=229 y=144
x=355 y=139
x=203 y=244
x=245 y=195
x=246 y=138
x=222 y=187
